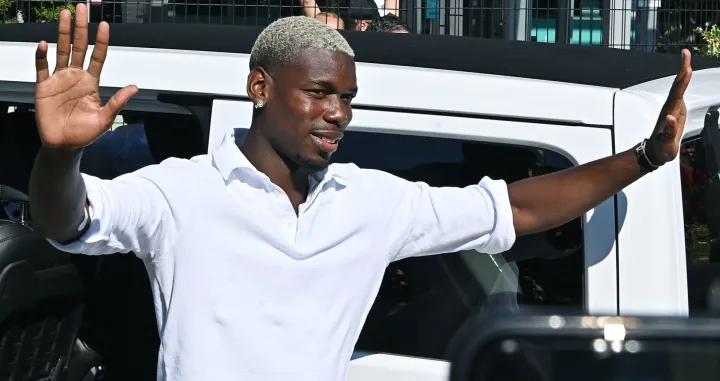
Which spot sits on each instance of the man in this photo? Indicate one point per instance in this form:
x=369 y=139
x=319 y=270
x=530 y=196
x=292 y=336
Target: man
x=361 y=13
x=264 y=259
x=388 y=23
x=331 y=19
x=311 y=9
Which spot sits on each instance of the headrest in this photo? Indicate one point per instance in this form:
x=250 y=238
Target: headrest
x=173 y=135
x=10 y=194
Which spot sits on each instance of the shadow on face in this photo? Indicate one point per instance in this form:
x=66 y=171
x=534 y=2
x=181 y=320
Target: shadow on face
x=307 y=105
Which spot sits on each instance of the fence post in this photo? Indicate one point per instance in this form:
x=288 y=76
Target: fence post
x=518 y=20
x=646 y=25
x=617 y=23
x=563 y=30
x=456 y=22
x=411 y=15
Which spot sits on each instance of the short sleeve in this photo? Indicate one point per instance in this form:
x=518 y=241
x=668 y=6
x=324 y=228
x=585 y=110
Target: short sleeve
x=433 y=220
x=128 y=213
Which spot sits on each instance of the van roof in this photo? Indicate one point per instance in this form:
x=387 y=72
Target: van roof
x=586 y=65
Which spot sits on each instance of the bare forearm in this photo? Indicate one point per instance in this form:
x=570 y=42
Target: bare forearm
x=544 y=202
x=57 y=194
x=392 y=6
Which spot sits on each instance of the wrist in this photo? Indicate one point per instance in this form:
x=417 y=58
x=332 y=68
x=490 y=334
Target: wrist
x=61 y=152
x=644 y=156
x=60 y=156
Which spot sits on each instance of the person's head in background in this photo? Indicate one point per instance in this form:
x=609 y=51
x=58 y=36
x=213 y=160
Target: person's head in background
x=331 y=19
x=389 y=24
x=361 y=13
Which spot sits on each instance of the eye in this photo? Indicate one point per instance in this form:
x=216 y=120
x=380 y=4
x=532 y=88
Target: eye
x=317 y=92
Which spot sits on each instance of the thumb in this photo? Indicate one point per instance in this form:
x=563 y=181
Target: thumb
x=671 y=127
x=116 y=103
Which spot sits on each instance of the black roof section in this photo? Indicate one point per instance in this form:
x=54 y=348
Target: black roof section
x=589 y=65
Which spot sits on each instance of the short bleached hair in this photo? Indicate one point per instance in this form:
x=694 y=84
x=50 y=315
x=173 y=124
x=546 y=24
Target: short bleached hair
x=282 y=42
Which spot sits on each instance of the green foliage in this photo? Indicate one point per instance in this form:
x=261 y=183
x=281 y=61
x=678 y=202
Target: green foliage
x=52 y=13
x=5 y=6
x=711 y=37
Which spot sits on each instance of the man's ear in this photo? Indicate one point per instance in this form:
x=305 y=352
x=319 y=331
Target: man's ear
x=258 y=88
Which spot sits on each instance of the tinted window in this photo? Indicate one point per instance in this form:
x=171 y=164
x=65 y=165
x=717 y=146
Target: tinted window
x=143 y=139
x=424 y=301
x=701 y=244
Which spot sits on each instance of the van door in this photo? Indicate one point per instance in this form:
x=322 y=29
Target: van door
x=423 y=302
x=665 y=262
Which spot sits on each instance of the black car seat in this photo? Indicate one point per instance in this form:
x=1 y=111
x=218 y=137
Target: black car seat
x=41 y=304
x=38 y=266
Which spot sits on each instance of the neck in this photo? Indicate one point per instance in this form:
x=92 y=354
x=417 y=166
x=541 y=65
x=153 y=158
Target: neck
x=284 y=173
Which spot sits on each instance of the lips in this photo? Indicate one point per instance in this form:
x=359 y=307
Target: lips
x=326 y=140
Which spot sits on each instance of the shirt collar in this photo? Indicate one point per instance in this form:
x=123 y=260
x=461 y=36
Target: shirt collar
x=228 y=158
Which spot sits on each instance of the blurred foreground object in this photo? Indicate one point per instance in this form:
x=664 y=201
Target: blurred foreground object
x=589 y=348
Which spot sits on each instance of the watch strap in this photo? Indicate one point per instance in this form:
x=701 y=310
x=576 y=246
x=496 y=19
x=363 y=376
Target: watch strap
x=642 y=157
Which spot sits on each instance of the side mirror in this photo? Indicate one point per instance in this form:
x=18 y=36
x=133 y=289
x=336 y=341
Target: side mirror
x=589 y=348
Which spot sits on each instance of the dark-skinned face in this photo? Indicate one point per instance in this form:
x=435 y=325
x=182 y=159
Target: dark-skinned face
x=307 y=105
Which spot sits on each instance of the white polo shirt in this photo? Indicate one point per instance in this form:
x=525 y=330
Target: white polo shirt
x=244 y=288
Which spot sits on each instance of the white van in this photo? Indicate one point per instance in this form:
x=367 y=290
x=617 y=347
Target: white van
x=447 y=111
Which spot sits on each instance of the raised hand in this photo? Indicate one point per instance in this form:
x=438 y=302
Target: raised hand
x=664 y=143
x=68 y=109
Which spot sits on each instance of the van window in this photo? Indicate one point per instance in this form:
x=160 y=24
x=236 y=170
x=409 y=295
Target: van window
x=142 y=139
x=424 y=301
x=19 y=144
x=120 y=321
x=703 y=264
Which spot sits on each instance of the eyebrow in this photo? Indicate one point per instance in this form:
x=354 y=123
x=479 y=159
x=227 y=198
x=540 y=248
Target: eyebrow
x=329 y=85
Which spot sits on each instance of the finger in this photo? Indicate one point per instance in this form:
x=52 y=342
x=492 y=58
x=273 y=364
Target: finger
x=41 y=63
x=63 y=44
x=80 y=42
x=682 y=79
x=97 y=60
x=686 y=58
x=116 y=103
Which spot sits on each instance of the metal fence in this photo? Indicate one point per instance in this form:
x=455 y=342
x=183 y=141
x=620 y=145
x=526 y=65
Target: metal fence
x=648 y=25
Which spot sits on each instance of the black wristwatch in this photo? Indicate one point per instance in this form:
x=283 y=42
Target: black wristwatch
x=642 y=157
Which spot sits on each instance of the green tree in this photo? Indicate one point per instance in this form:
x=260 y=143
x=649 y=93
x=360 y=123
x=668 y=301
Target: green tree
x=5 y=7
x=711 y=37
x=52 y=13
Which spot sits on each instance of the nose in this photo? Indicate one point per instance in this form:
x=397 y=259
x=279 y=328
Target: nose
x=338 y=112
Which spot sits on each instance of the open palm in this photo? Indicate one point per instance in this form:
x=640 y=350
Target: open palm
x=68 y=108
x=664 y=142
